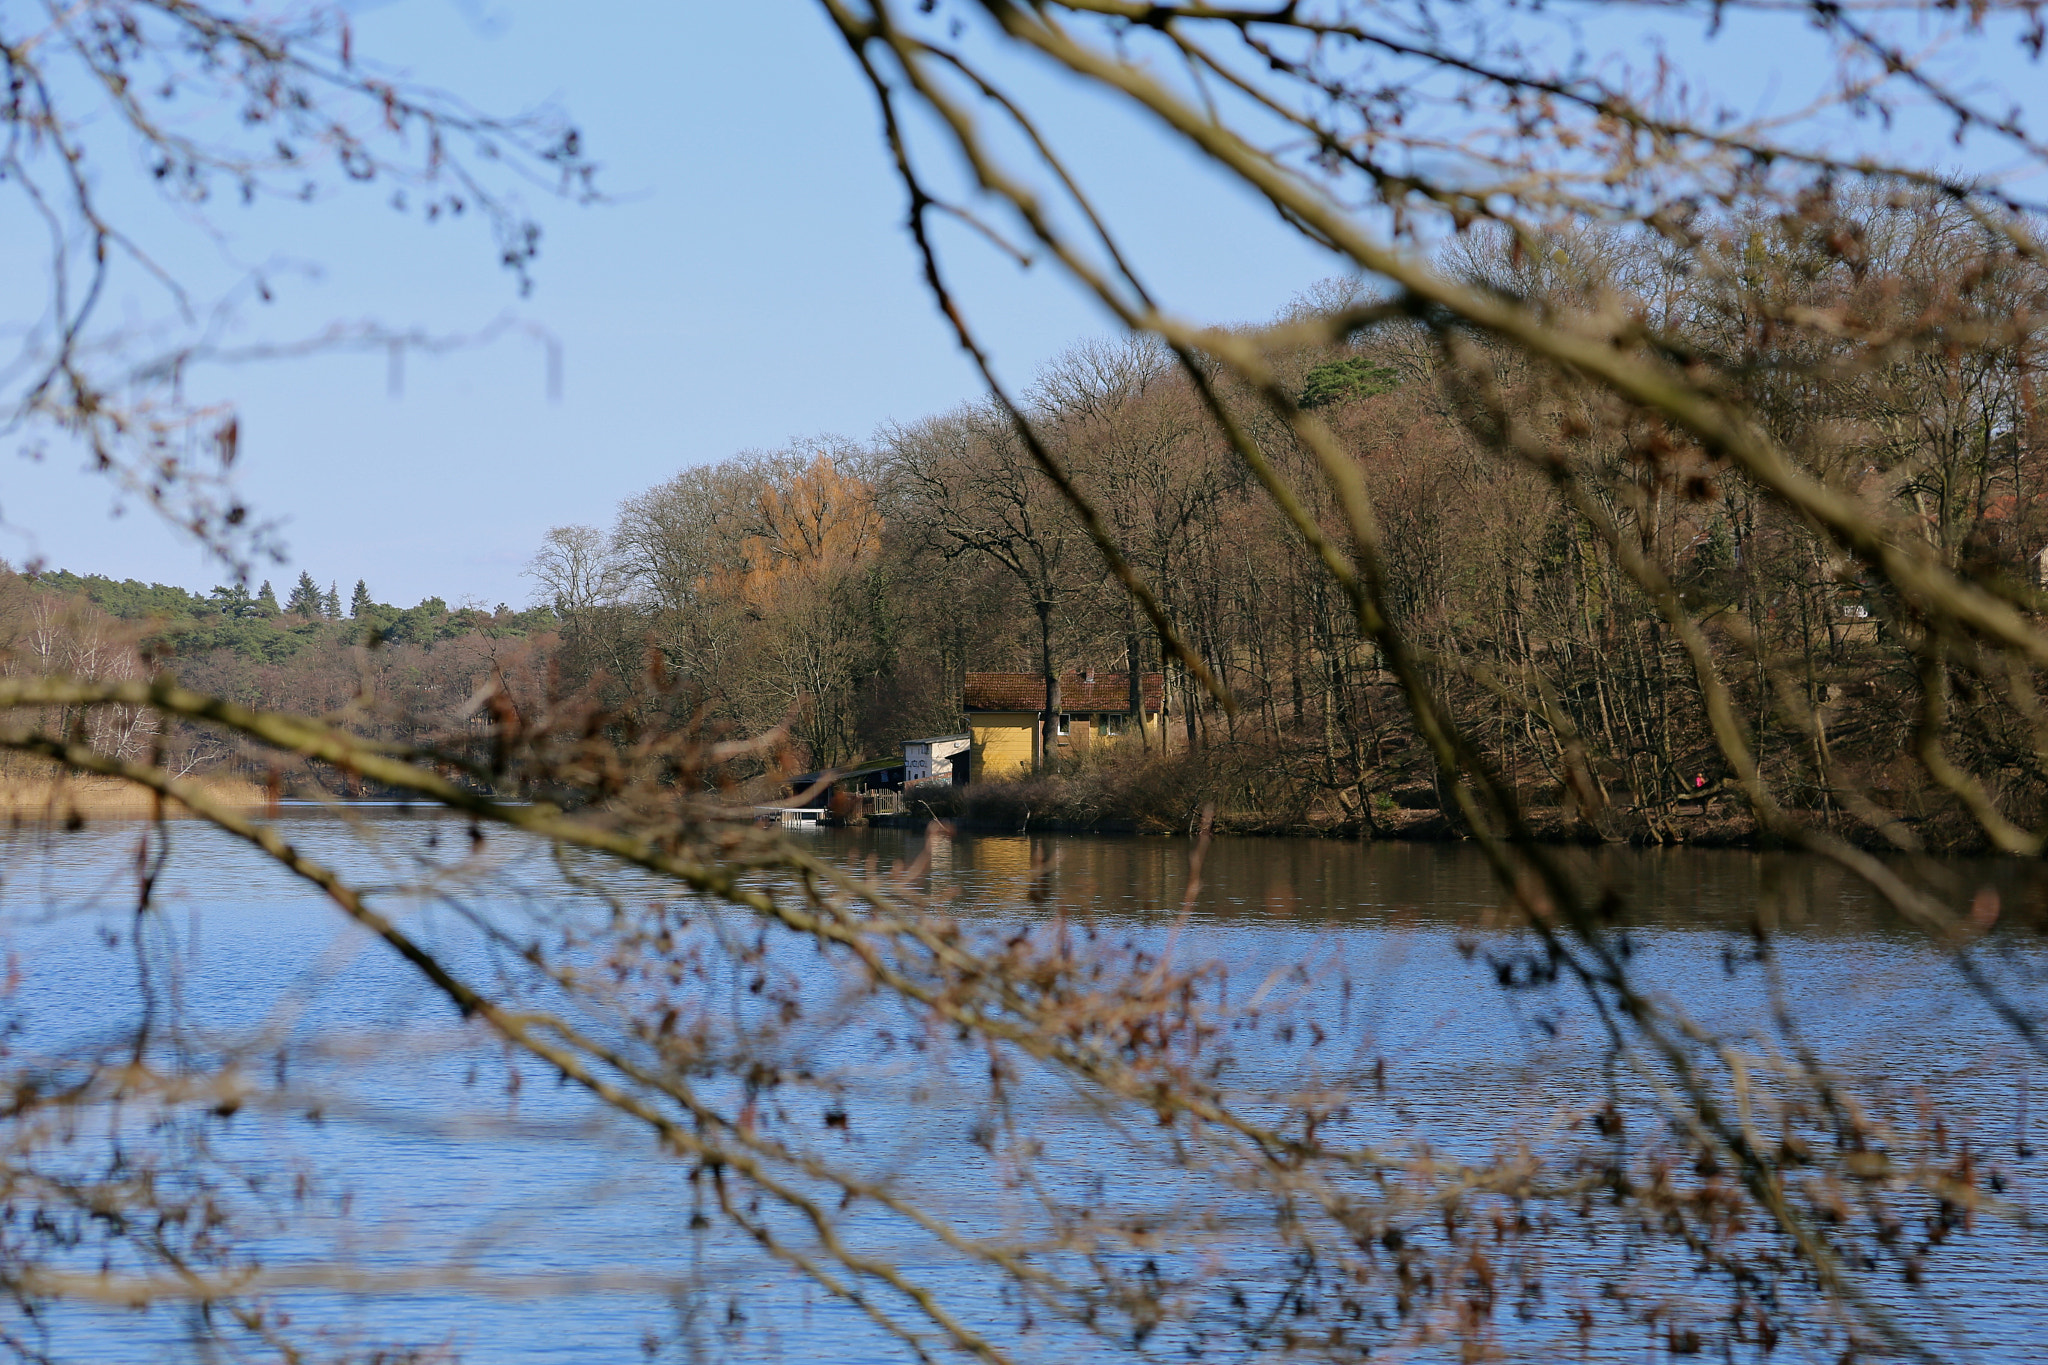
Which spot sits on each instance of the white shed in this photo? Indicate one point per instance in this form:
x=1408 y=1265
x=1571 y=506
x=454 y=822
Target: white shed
x=927 y=760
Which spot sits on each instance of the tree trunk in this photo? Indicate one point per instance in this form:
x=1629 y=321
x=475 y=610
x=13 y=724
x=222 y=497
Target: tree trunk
x=1049 y=720
x=1134 y=695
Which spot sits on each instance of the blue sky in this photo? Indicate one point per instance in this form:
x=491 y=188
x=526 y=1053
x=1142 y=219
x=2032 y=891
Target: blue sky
x=748 y=284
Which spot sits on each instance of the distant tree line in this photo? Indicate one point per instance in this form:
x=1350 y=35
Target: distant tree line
x=174 y=614
x=392 y=671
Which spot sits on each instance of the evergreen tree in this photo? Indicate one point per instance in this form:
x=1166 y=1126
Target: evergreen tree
x=1342 y=380
x=266 y=599
x=359 y=602
x=305 y=598
x=332 y=606
x=233 y=600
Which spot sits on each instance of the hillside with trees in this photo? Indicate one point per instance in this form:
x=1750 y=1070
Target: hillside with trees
x=844 y=587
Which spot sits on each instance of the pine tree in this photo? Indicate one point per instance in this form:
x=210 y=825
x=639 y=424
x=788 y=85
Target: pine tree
x=233 y=600
x=359 y=603
x=266 y=599
x=305 y=598
x=332 y=606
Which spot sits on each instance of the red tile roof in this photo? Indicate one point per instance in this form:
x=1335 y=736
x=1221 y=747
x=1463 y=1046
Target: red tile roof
x=1110 y=692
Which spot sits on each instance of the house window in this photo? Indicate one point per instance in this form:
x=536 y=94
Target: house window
x=1066 y=724
x=1111 y=723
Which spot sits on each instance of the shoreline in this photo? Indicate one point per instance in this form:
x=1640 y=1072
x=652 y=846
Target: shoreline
x=65 y=799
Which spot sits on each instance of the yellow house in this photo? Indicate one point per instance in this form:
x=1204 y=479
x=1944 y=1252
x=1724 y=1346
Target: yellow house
x=1005 y=711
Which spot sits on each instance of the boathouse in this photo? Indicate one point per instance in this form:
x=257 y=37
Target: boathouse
x=1006 y=713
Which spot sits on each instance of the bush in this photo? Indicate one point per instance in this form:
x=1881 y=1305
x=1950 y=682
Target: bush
x=1133 y=791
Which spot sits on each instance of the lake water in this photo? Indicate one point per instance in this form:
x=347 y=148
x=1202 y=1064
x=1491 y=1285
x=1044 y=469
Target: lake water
x=428 y=1163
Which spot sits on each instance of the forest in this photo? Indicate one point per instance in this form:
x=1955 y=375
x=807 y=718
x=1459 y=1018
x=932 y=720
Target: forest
x=843 y=587
x=833 y=593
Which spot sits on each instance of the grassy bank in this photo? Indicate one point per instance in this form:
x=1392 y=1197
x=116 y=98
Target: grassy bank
x=55 y=798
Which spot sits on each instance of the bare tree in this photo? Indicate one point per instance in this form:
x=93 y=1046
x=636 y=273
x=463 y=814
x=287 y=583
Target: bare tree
x=976 y=491
x=576 y=570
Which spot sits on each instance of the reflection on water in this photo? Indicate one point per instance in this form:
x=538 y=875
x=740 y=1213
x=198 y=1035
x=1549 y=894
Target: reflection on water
x=440 y=1166
x=1433 y=883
